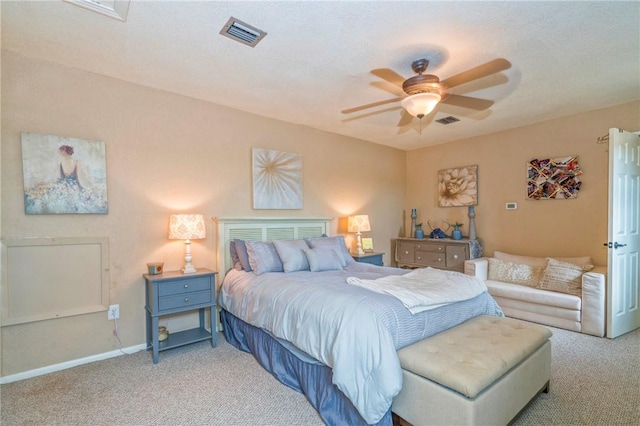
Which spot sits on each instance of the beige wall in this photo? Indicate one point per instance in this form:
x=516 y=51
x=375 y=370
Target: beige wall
x=165 y=154
x=576 y=227
x=168 y=153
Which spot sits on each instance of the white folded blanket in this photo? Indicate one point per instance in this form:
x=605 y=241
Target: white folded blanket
x=427 y=288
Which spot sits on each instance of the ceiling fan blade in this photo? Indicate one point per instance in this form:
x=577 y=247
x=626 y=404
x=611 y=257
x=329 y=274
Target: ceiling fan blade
x=475 y=73
x=375 y=104
x=405 y=118
x=389 y=75
x=467 y=102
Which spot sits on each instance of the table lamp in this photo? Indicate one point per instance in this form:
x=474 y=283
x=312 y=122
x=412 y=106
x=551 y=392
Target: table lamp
x=359 y=223
x=187 y=227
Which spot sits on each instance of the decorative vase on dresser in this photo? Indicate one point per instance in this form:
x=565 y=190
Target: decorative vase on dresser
x=456 y=234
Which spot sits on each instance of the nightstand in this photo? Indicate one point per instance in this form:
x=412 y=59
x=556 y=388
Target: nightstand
x=174 y=292
x=372 y=258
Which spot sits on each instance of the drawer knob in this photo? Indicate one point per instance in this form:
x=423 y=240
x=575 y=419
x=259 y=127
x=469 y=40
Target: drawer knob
x=186 y=299
x=419 y=257
x=439 y=248
x=186 y=286
x=406 y=252
x=455 y=256
x=439 y=259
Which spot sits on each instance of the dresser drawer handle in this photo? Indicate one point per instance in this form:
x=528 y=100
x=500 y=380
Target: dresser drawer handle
x=455 y=256
x=186 y=286
x=186 y=299
x=439 y=248
x=439 y=259
x=406 y=252
x=419 y=257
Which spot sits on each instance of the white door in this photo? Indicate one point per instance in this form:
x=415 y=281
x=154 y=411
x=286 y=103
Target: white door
x=623 y=295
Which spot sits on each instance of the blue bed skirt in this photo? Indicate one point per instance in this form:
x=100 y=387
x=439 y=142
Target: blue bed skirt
x=312 y=380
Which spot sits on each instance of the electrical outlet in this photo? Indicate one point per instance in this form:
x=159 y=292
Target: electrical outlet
x=114 y=312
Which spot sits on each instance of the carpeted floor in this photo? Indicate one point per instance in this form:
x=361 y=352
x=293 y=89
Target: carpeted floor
x=594 y=381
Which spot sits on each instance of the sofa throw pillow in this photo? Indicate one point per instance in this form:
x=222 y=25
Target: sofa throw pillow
x=515 y=273
x=292 y=255
x=563 y=277
x=263 y=257
x=323 y=259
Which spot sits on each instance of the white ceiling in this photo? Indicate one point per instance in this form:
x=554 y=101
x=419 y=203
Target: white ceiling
x=316 y=60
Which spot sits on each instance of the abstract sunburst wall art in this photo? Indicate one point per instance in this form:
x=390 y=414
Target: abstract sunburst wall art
x=553 y=178
x=277 y=179
x=458 y=187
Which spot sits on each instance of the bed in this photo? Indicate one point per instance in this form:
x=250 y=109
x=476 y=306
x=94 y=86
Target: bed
x=320 y=328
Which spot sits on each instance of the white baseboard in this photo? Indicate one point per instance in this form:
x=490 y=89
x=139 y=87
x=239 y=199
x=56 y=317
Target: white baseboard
x=69 y=364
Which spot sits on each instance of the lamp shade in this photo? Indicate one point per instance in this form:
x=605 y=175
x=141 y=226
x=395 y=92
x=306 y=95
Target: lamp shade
x=421 y=104
x=187 y=227
x=359 y=223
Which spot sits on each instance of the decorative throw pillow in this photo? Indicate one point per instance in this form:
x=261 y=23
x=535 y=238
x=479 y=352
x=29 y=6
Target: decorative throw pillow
x=515 y=273
x=323 y=259
x=292 y=255
x=263 y=257
x=337 y=243
x=563 y=277
x=234 y=256
x=243 y=256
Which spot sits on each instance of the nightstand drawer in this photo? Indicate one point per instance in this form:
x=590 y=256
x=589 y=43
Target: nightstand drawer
x=183 y=286
x=184 y=300
x=425 y=258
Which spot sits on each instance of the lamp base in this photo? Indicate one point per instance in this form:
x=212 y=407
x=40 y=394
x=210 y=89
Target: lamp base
x=188 y=269
x=359 y=244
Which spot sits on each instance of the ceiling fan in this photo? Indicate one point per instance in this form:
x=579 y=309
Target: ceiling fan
x=425 y=91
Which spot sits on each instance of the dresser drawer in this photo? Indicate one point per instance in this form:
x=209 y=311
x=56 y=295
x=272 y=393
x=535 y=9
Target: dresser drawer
x=184 y=300
x=182 y=286
x=425 y=258
x=405 y=252
x=435 y=248
x=456 y=255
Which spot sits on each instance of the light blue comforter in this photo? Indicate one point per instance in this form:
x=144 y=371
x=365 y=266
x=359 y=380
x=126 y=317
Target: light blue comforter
x=353 y=330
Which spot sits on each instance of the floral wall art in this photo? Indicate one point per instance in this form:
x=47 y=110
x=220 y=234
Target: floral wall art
x=63 y=175
x=553 y=178
x=458 y=186
x=277 y=179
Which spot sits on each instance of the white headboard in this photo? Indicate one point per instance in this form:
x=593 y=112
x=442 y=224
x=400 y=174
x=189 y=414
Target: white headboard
x=264 y=229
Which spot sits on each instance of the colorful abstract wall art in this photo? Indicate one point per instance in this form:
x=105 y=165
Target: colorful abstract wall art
x=553 y=178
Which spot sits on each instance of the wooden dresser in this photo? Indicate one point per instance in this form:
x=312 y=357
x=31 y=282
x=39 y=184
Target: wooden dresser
x=437 y=253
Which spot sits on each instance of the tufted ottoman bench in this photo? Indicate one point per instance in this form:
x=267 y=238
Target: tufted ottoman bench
x=481 y=372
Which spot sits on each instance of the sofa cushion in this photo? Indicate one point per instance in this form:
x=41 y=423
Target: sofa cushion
x=533 y=295
x=563 y=277
x=515 y=273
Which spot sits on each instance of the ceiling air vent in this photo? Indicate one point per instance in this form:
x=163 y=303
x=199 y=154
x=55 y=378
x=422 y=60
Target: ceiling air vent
x=242 y=32
x=447 y=120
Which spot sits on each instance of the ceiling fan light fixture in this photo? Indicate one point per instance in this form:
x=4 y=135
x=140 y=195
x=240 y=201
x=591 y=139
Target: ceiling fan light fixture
x=421 y=104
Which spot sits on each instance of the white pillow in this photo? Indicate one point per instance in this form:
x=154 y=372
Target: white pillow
x=291 y=253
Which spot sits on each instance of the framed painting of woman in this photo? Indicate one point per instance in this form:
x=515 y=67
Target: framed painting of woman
x=63 y=175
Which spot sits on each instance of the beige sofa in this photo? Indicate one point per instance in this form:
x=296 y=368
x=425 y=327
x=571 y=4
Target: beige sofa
x=566 y=293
